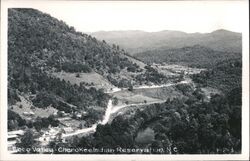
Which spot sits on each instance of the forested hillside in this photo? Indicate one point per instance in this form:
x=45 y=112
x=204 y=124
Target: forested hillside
x=37 y=39
x=40 y=46
x=192 y=127
x=225 y=75
x=179 y=126
x=195 y=56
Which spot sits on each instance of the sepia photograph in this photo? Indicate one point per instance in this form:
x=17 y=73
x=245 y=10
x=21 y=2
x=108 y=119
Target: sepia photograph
x=140 y=79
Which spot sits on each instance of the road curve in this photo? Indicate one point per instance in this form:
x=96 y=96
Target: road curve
x=113 y=109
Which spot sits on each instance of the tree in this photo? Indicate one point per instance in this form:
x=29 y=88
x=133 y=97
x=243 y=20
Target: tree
x=131 y=69
x=146 y=136
x=52 y=121
x=130 y=88
x=80 y=126
x=27 y=142
x=12 y=124
x=38 y=124
x=156 y=146
x=181 y=76
x=77 y=75
x=199 y=94
x=74 y=115
x=115 y=102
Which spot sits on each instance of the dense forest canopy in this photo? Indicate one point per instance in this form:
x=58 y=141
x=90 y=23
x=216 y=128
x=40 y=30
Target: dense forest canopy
x=37 y=39
x=194 y=56
x=189 y=128
x=39 y=45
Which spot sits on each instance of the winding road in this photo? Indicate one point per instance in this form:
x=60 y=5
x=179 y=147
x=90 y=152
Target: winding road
x=113 y=109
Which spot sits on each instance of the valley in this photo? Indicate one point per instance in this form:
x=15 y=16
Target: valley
x=114 y=109
x=163 y=90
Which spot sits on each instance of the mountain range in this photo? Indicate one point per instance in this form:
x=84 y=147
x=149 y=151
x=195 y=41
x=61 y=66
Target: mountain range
x=135 y=41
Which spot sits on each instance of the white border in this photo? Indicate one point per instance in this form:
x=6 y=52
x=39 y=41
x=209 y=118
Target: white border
x=4 y=155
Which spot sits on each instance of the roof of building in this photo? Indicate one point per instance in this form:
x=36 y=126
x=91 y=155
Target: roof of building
x=16 y=132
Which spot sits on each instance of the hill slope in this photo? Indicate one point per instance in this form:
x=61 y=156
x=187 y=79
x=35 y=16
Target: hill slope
x=136 y=41
x=39 y=40
x=198 y=56
x=40 y=47
x=225 y=76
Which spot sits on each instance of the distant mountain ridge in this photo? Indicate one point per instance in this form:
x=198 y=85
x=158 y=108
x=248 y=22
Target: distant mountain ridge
x=135 y=41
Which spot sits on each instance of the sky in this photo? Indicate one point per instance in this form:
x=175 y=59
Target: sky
x=194 y=16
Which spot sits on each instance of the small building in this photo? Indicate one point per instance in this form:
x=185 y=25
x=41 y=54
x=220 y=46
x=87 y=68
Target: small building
x=78 y=116
x=55 y=113
x=48 y=135
x=16 y=132
x=13 y=138
x=30 y=113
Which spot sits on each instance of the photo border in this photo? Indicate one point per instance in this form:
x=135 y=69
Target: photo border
x=4 y=155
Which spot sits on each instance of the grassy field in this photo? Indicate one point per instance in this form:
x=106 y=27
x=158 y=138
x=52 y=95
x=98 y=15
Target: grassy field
x=71 y=123
x=131 y=97
x=93 y=77
x=26 y=105
x=160 y=93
